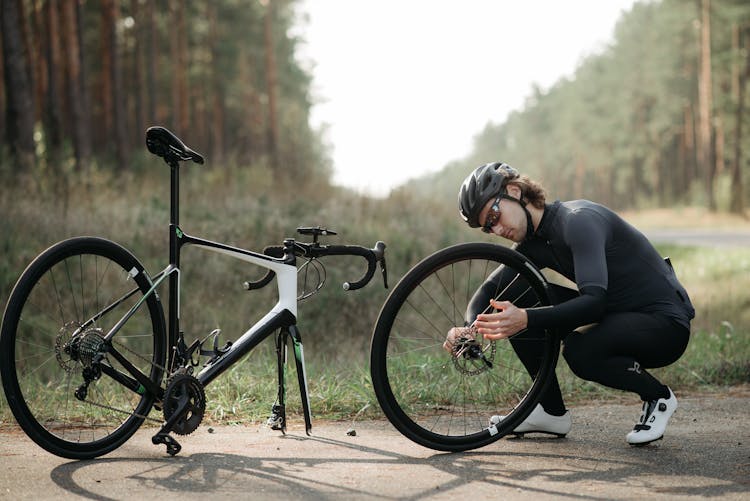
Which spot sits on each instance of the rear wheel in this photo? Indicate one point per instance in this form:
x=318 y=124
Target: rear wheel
x=63 y=384
x=444 y=400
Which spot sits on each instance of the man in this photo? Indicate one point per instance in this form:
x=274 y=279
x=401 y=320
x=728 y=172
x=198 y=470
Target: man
x=641 y=313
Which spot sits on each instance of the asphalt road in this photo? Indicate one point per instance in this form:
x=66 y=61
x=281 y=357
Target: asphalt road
x=701 y=237
x=706 y=453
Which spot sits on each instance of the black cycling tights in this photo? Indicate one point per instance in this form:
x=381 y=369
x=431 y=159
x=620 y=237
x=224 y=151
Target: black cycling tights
x=615 y=352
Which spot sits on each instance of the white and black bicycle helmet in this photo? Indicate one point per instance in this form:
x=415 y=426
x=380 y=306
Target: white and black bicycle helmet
x=485 y=183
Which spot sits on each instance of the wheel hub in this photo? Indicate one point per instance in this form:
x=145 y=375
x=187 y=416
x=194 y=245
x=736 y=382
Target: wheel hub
x=472 y=357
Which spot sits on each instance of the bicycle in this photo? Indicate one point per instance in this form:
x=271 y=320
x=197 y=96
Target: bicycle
x=444 y=400
x=86 y=351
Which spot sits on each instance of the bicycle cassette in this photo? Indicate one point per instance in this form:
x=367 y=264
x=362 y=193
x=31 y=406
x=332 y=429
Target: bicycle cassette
x=185 y=390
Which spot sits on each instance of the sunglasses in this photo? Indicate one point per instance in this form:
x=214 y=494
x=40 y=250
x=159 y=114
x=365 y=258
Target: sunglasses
x=493 y=216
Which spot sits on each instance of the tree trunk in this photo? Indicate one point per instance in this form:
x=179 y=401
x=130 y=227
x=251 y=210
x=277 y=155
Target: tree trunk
x=151 y=65
x=2 y=88
x=179 y=73
x=705 y=105
x=53 y=109
x=18 y=91
x=140 y=91
x=38 y=64
x=104 y=117
x=691 y=155
x=76 y=99
x=740 y=73
x=271 y=82
x=112 y=78
x=217 y=89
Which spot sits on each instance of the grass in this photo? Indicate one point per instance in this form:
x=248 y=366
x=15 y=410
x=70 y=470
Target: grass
x=717 y=356
x=233 y=205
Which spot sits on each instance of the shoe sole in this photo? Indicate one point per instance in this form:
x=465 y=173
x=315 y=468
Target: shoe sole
x=521 y=434
x=641 y=444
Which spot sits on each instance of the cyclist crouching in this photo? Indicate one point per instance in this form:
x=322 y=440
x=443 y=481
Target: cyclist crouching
x=640 y=312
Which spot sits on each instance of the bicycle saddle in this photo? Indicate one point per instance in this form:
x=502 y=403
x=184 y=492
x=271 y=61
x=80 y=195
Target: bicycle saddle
x=162 y=142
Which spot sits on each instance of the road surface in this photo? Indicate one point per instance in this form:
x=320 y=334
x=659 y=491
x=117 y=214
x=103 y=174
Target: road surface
x=706 y=453
x=701 y=237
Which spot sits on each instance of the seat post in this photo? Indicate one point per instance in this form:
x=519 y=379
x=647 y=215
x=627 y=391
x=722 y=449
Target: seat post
x=175 y=236
x=174 y=203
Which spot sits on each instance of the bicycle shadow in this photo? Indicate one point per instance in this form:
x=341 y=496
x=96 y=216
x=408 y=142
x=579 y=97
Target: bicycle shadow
x=533 y=473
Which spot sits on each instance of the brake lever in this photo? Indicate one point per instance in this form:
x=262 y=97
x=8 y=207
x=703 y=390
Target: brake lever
x=379 y=252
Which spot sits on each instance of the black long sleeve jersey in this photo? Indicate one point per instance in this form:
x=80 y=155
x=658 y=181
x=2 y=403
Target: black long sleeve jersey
x=614 y=266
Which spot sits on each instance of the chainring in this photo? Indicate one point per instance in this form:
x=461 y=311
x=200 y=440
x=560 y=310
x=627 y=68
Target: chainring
x=183 y=388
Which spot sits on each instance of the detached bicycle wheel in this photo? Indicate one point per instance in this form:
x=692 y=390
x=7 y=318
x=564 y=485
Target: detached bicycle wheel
x=444 y=400
x=65 y=387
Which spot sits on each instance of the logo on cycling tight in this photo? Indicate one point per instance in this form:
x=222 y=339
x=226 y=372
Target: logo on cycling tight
x=636 y=368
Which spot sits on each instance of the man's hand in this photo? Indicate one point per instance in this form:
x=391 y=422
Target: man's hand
x=457 y=333
x=501 y=325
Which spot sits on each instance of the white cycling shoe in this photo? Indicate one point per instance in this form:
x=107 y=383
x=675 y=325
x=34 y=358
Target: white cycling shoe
x=540 y=422
x=653 y=421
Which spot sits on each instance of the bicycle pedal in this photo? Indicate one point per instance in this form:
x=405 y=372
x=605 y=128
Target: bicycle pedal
x=173 y=447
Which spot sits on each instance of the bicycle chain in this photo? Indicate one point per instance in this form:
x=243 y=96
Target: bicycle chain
x=150 y=362
x=122 y=411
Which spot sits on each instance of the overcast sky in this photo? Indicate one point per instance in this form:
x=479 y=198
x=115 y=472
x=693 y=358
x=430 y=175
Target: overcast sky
x=405 y=85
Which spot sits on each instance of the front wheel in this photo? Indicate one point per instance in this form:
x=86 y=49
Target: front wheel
x=444 y=400
x=66 y=388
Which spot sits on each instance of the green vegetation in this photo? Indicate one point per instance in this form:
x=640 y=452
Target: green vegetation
x=629 y=129
x=336 y=325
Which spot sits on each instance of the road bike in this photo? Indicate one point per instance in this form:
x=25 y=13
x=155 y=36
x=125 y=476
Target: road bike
x=86 y=352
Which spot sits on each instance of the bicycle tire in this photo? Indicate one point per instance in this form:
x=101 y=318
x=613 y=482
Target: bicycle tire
x=440 y=400
x=42 y=366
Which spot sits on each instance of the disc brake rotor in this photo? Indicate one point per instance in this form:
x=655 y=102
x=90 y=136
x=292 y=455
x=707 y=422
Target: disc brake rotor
x=471 y=357
x=63 y=339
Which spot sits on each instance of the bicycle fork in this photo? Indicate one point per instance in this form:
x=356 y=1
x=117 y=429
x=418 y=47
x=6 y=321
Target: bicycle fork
x=277 y=421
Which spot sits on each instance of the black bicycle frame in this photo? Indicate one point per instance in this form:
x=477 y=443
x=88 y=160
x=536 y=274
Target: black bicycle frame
x=282 y=316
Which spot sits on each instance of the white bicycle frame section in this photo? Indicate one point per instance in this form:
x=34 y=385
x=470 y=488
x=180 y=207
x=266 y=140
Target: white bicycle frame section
x=282 y=315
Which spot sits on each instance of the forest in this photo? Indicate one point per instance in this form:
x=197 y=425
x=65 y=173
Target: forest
x=82 y=80
x=658 y=118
